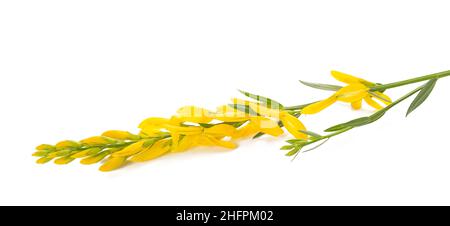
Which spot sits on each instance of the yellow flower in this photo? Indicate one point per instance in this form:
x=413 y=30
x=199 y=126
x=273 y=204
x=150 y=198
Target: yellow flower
x=186 y=137
x=95 y=158
x=66 y=144
x=355 y=92
x=158 y=149
x=97 y=140
x=121 y=135
x=113 y=163
x=132 y=149
x=262 y=122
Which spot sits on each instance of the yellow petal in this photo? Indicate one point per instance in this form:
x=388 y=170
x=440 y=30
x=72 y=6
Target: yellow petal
x=220 y=130
x=40 y=154
x=293 y=125
x=211 y=141
x=267 y=126
x=67 y=144
x=132 y=149
x=372 y=103
x=349 y=79
x=97 y=140
x=43 y=160
x=113 y=163
x=384 y=98
x=357 y=104
x=158 y=149
x=185 y=130
x=45 y=147
x=63 y=160
x=319 y=106
x=245 y=131
x=184 y=143
x=121 y=135
x=154 y=122
x=352 y=93
x=95 y=158
x=194 y=114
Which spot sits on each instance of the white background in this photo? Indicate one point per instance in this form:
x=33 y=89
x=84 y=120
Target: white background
x=72 y=69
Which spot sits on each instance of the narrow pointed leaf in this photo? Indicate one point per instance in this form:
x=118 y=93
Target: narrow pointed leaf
x=264 y=100
x=422 y=95
x=310 y=133
x=258 y=135
x=321 y=86
x=353 y=123
x=244 y=108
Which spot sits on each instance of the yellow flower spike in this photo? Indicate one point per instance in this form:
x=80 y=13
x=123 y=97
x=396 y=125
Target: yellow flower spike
x=220 y=130
x=319 y=106
x=43 y=160
x=63 y=160
x=349 y=79
x=45 y=147
x=98 y=140
x=132 y=149
x=87 y=152
x=112 y=164
x=67 y=144
x=95 y=158
x=120 y=135
x=158 y=149
x=293 y=125
x=194 y=114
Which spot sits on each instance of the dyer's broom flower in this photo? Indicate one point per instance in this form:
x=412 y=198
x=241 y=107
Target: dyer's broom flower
x=192 y=126
x=355 y=92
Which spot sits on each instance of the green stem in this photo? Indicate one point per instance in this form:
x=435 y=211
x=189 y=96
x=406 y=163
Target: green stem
x=298 y=107
x=411 y=81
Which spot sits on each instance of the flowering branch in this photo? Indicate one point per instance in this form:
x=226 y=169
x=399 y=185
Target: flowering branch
x=193 y=126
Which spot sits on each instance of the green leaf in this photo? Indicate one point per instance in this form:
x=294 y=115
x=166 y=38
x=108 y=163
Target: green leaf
x=353 y=123
x=296 y=141
x=244 y=108
x=264 y=100
x=258 y=135
x=321 y=86
x=310 y=133
x=422 y=96
x=287 y=147
x=293 y=152
x=206 y=125
x=359 y=121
